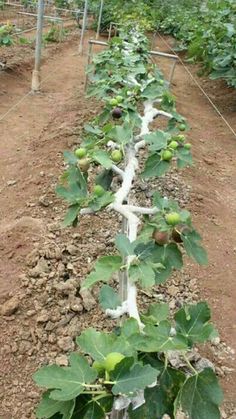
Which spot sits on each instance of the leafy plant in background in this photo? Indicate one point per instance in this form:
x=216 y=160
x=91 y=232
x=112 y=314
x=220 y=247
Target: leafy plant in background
x=2 y=4
x=55 y=34
x=5 y=35
x=207 y=31
x=62 y=4
x=125 y=12
x=131 y=369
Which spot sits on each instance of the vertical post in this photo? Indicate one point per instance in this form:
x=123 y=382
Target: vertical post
x=109 y=32
x=83 y=27
x=35 y=85
x=172 y=71
x=89 y=60
x=61 y=31
x=99 y=19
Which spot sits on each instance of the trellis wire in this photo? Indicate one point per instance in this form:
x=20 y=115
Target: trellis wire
x=200 y=87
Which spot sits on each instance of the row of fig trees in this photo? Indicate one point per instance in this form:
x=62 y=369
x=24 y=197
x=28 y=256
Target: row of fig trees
x=131 y=369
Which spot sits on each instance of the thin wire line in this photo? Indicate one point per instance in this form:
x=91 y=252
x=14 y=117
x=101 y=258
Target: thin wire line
x=14 y=106
x=199 y=86
x=25 y=96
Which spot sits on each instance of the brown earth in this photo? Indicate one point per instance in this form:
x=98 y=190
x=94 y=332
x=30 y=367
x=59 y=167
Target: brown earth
x=33 y=137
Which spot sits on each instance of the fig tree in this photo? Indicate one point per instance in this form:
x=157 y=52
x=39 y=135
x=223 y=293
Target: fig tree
x=112 y=360
x=117 y=113
x=172 y=218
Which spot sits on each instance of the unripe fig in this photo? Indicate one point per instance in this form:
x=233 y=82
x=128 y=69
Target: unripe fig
x=116 y=156
x=84 y=165
x=160 y=237
x=181 y=138
x=187 y=146
x=166 y=155
x=113 y=102
x=119 y=99
x=173 y=144
x=182 y=127
x=98 y=366
x=80 y=152
x=112 y=360
x=172 y=218
x=98 y=190
x=117 y=113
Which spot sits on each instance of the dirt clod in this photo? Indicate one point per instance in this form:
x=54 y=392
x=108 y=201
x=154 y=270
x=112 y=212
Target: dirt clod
x=10 y=306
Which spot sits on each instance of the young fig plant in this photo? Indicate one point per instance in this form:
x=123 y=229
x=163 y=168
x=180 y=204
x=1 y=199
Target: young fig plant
x=133 y=369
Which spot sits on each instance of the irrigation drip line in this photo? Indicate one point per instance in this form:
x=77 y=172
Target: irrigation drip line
x=200 y=87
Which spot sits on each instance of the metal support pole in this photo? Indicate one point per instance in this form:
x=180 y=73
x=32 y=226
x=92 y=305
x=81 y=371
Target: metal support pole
x=109 y=32
x=99 y=19
x=172 y=71
x=153 y=44
x=83 y=27
x=35 y=85
x=61 y=32
x=89 y=60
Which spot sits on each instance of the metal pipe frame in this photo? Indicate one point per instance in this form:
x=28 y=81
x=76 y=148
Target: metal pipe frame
x=110 y=29
x=13 y=4
x=59 y=19
x=172 y=57
x=27 y=30
x=161 y=54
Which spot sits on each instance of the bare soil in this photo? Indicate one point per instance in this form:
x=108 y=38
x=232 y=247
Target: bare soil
x=33 y=137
